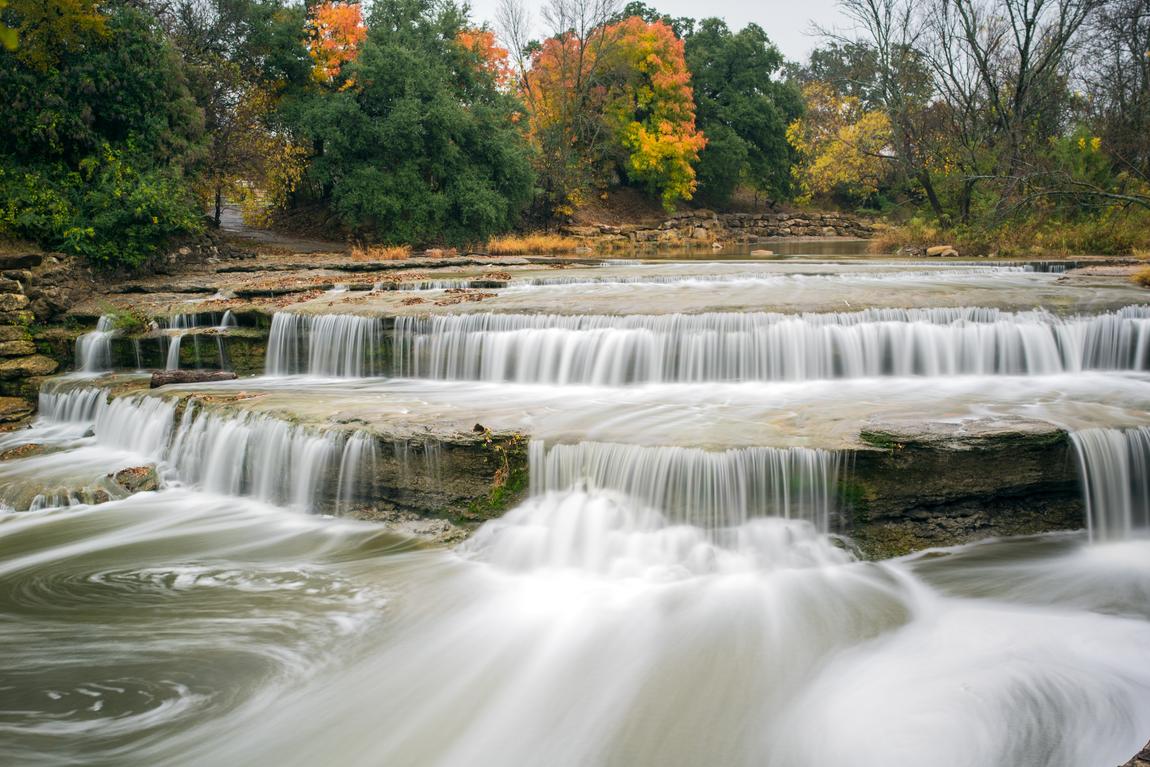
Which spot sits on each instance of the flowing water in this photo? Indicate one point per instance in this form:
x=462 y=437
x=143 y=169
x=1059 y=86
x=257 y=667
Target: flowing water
x=675 y=589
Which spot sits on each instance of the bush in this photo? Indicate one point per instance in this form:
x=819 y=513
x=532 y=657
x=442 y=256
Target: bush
x=532 y=244
x=111 y=212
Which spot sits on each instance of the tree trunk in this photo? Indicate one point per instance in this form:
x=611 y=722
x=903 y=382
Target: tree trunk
x=165 y=377
x=931 y=195
x=219 y=205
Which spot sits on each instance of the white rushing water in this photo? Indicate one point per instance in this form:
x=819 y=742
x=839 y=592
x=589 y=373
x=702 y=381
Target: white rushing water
x=672 y=592
x=325 y=345
x=706 y=489
x=1115 y=467
x=723 y=347
x=94 y=349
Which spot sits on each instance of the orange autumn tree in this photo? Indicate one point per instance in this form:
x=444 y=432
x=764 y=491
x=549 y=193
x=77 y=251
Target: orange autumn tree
x=335 y=31
x=619 y=97
x=493 y=58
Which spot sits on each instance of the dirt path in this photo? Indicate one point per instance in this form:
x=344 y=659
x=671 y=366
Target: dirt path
x=232 y=224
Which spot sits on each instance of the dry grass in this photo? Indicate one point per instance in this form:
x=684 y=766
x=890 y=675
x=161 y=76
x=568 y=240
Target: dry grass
x=1141 y=277
x=380 y=252
x=532 y=244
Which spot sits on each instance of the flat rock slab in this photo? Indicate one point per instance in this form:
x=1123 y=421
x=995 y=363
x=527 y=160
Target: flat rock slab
x=959 y=434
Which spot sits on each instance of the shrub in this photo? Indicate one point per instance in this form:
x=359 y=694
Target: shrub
x=532 y=244
x=380 y=252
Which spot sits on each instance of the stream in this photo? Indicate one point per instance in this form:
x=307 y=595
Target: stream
x=676 y=588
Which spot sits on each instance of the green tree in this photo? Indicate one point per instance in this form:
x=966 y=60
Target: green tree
x=101 y=129
x=414 y=142
x=743 y=107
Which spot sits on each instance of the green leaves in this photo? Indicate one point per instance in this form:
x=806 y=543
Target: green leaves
x=93 y=160
x=422 y=147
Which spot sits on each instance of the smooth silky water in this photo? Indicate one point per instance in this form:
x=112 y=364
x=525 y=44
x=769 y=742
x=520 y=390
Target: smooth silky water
x=672 y=592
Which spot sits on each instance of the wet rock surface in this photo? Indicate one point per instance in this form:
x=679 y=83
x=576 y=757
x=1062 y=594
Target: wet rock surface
x=1141 y=759
x=944 y=483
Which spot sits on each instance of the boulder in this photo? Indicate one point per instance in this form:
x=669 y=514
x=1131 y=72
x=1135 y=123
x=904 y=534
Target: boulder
x=941 y=250
x=13 y=333
x=14 y=409
x=762 y=252
x=27 y=450
x=12 y=302
x=18 y=348
x=20 y=260
x=26 y=367
x=138 y=479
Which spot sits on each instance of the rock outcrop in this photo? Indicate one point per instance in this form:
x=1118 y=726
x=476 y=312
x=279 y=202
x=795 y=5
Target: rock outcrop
x=1141 y=759
x=930 y=484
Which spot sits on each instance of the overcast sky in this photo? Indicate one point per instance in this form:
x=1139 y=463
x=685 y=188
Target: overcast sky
x=787 y=22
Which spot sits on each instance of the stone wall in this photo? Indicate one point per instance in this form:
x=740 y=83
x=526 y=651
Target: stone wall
x=700 y=227
x=33 y=288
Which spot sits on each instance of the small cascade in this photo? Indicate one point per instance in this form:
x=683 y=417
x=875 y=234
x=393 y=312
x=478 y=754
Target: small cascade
x=1115 y=469
x=616 y=350
x=94 y=350
x=337 y=345
x=75 y=405
x=358 y=463
x=174 y=343
x=227 y=321
x=708 y=489
x=589 y=277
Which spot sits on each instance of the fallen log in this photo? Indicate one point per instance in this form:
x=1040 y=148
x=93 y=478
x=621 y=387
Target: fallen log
x=165 y=377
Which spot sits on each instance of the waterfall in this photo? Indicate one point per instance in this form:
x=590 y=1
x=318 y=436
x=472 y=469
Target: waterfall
x=339 y=345
x=614 y=350
x=94 y=350
x=665 y=276
x=76 y=405
x=1115 y=469
x=174 y=343
x=709 y=489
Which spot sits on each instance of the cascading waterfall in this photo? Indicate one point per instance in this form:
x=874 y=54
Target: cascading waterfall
x=1115 y=469
x=614 y=350
x=94 y=350
x=708 y=489
x=588 y=277
x=338 y=345
x=75 y=405
x=247 y=454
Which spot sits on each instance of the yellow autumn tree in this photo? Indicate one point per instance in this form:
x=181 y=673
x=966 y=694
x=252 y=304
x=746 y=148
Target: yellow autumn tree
x=843 y=147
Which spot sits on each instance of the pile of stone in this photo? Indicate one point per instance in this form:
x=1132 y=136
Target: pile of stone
x=21 y=365
x=703 y=227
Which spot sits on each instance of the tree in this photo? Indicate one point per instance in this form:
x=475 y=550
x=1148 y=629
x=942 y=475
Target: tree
x=240 y=57
x=650 y=109
x=744 y=109
x=842 y=145
x=419 y=144
x=335 y=32
x=101 y=133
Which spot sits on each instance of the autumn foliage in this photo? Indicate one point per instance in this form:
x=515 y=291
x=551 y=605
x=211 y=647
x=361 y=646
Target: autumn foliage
x=618 y=99
x=336 y=30
x=652 y=110
x=842 y=146
x=493 y=58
